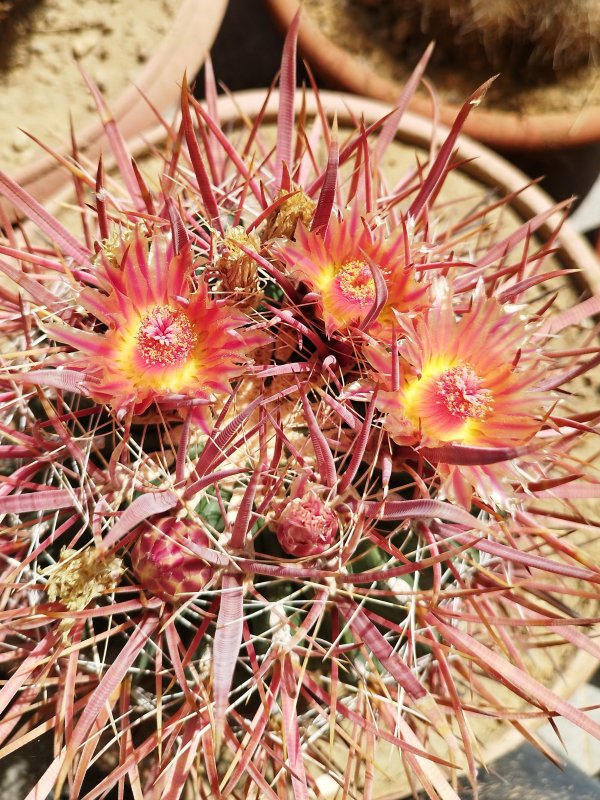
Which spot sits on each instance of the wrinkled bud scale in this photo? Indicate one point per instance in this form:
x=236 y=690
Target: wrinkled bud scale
x=306 y=527
x=165 y=565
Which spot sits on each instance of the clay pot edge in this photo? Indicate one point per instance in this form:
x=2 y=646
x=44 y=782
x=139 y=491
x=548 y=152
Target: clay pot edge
x=185 y=46
x=504 y=130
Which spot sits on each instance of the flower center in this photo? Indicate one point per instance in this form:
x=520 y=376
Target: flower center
x=165 y=337
x=356 y=282
x=459 y=390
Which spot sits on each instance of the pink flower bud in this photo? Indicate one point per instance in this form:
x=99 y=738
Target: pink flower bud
x=165 y=565
x=306 y=527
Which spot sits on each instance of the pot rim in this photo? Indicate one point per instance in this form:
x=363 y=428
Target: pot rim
x=153 y=90
x=505 y=130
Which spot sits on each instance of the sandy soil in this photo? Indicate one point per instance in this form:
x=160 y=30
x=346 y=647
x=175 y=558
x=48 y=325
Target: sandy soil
x=41 y=44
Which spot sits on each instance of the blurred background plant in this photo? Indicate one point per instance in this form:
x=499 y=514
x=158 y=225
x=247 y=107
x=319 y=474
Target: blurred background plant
x=529 y=38
x=543 y=110
x=292 y=477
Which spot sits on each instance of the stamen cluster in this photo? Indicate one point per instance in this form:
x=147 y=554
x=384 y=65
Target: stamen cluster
x=460 y=392
x=165 y=336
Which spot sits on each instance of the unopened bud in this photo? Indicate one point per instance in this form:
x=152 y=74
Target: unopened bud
x=164 y=563
x=306 y=526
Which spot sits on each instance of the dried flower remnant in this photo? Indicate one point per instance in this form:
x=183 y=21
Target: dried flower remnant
x=79 y=577
x=297 y=208
x=237 y=270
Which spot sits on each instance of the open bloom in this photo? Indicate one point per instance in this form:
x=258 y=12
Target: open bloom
x=338 y=266
x=160 y=338
x=469 y=381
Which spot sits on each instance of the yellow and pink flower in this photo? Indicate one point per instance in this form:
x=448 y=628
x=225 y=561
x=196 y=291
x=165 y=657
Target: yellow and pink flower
x=337 y=267
x=468 y=380
x=158 y=335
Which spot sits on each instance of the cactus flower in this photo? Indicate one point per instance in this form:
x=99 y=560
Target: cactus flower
x=337 y=266
x=466 y=381
x=161 y=337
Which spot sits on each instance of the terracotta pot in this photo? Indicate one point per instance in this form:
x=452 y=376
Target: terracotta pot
x=498 y=129
x=158 y=84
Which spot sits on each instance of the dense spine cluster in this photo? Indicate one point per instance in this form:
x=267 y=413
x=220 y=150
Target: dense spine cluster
x=289 y=466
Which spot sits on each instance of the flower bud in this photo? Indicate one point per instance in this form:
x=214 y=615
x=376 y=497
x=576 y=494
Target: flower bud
x=165 y=565
x=306 y=527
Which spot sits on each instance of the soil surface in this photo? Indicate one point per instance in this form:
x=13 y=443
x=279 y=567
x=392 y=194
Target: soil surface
x=41 y=44
x=393 y=51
